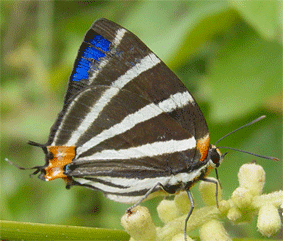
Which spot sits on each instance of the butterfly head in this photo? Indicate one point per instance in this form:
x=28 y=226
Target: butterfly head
x=215 y=157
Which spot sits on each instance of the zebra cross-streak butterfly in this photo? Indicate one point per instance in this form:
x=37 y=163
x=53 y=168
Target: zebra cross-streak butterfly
x=128 y=127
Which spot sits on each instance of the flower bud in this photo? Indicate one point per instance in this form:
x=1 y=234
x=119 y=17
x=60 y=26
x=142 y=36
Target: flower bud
x=180 y=237
x=242 y=198
x=138 y=223
x=268 y=222
x=182 y=202
x=234 y=214
x=167 y=211
x=208 y=191
x=213 y=231
x=224 y=206
x=252 y=177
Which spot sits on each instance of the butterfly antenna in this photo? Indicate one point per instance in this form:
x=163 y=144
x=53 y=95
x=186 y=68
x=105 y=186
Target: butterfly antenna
x=248 y=124
x=38 y=168
x=253 y=154
x=247 y=152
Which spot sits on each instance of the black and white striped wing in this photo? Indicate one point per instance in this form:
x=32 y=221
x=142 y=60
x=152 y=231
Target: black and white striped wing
x=131 y=120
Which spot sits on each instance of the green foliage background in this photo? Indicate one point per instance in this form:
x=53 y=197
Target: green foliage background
x=227 y=53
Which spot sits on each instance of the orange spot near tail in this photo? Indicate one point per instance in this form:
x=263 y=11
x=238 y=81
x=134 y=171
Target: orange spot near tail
x=62 y=155
x=203 y=146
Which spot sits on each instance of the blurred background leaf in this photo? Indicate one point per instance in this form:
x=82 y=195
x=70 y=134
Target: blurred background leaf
x=227 y=53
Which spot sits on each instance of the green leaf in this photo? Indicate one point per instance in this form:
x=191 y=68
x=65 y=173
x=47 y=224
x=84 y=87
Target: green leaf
x=246 y=72
x=34 y=231
x=202 y=31
x=264 y=16
x=183 y=26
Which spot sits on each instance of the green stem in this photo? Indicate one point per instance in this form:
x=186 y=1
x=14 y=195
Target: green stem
x=35 y=231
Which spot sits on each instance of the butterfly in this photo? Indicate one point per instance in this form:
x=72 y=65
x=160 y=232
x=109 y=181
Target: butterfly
x=129 y=127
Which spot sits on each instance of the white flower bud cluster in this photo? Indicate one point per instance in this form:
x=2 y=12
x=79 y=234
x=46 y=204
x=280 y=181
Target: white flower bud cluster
x=138 y=223
x=246 y=201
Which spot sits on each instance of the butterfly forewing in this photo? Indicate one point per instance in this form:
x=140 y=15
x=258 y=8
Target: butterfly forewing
x=128 y=117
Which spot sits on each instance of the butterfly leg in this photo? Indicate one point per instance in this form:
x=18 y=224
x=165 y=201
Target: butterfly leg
x=151 y=190
x=216 y=190
x=190 y=212
x=217 y=177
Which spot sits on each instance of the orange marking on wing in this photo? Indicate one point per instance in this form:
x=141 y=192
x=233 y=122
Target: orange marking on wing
x=203 y=146
x=62 y=155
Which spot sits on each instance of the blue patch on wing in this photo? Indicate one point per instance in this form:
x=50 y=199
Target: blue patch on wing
x=100 y=42
x=92 y=53
x=88 y=55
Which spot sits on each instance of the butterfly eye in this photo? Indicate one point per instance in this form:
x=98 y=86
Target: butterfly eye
x=215 y=157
